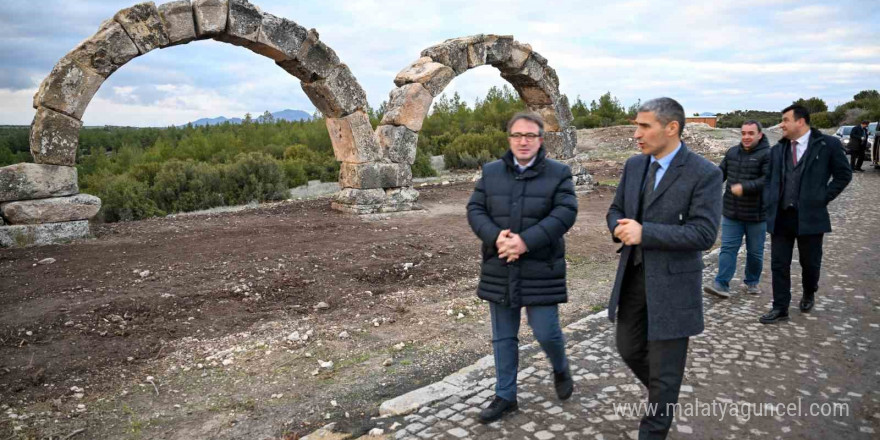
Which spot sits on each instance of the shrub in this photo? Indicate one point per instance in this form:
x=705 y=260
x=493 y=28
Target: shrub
x=422 y=165
x=124 y=198
x=254 y=176
x=188 y=186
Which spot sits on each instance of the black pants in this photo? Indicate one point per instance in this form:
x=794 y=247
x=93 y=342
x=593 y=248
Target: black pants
x=659 y=365
x=857 y=158
x=781 y=250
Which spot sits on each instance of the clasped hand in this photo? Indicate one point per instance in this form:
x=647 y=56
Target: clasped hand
x=510 y=246
x=628 y=231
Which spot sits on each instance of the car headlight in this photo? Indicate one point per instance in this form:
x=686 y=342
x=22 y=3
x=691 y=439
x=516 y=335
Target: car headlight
x=845 y=141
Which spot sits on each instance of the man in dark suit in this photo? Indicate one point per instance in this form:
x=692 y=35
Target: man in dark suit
x=858 y=143
x=797 y=194
x=666 y=212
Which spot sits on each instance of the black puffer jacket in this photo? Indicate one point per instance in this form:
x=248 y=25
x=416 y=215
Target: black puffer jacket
x=750 y=169
x=540 y=205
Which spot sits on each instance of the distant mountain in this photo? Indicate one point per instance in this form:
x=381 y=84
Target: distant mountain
x=286 y=115
x=708 y=114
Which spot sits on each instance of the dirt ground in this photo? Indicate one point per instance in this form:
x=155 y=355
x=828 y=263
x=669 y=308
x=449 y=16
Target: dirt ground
x=212 y=325
x=268 y=322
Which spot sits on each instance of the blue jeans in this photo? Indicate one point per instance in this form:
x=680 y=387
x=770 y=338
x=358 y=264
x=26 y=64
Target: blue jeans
x=544 y=321
x=732 y=232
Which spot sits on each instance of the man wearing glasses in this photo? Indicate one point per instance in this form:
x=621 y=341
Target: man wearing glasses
x=520 y=209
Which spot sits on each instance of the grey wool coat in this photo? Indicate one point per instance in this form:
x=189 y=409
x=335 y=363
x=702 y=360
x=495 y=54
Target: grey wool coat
x=679 y=222
x=540 y=205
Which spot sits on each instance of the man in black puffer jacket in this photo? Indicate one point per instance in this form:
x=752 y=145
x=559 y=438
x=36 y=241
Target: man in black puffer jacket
x=520 y=209
x=745 y=167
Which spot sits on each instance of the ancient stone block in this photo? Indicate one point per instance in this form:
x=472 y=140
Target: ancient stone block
x=314 y=61
x=529 y=82
x=452 y=53
x=408 y=106
x=242 y=24
x=54 y=138
x=279 y=38
x=25 y=181
x=396 y=198
x=53 y=210
x=210 y=17
x=556 y=116
x=179 y=21
x=143 y=26
x=69 y=88
x=433 y=76
x=43 y=234
x=476 y=51
x=519 y=53
x=397 y=143
x=374 y=175
x=498 y=48
x=561 y=144
x=338 y=95
x=105 y=51
x=354 y=196
x=353 y=138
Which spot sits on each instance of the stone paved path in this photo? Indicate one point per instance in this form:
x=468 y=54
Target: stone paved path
x=826 y=362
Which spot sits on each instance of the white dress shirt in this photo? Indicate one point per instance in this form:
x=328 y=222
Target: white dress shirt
x=802 y=143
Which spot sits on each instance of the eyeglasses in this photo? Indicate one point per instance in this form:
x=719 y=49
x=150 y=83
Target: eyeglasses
x=528 y=136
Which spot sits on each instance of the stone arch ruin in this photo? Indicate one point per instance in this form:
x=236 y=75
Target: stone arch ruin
x=365 y=172
x=41 y=200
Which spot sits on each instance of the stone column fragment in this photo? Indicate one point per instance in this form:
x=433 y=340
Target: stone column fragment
x=210 y=17
x=433 y=76
x=69 y=88
x=25 y=181
x=337 y=95
x=398 y=143
x=279 y=38
x=143 y=25
x=54 y=138
x=242 y=24
x=43 y=234
x=52 y=210
x=374 y=175
x=106 y=51
x=408 y=106
x=179 y=21
x=353 y=138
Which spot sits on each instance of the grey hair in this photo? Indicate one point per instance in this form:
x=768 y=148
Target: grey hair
x=528 y=116
x=755 y=123
x=665 y=110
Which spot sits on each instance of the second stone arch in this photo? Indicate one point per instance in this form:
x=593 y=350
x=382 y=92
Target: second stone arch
x=376 y=171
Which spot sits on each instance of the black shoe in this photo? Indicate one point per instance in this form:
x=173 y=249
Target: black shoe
x=564 y=384
x=859 y=170
x=807 y=303
x=497 y=409
x=775 y=315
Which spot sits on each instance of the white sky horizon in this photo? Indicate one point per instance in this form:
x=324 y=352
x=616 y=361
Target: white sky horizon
x=712 y=57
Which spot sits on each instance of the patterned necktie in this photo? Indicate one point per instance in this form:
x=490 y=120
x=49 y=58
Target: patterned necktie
x=794 y=152
x=643 y=203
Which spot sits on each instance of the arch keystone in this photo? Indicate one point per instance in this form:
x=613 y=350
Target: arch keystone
x=210 y=17
x=143 y=25
x=179 y=21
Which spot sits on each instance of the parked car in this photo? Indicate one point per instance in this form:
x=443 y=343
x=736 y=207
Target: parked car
x=842 y=133
x=872 y=133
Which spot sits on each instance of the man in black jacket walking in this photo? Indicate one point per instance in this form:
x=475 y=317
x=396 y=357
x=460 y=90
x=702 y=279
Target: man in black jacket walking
x=858 y=143
x=745 y=168
x=520 y=209
x=807 y=171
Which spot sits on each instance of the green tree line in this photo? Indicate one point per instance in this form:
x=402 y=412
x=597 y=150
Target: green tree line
x=865 y=105
x=144 y=172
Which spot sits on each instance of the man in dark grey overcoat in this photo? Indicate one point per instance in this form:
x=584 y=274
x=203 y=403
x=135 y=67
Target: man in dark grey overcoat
x=666 y=212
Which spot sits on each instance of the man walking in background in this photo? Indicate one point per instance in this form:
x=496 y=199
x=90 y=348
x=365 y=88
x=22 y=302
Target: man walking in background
x=858 y=142
x=807 y=171
x=520 y=209
x=745 y=167
x=665 y=212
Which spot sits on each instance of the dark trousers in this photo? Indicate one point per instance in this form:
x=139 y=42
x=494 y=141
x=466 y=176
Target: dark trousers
x=857 y=158
x=659 y=365
x=782 y=243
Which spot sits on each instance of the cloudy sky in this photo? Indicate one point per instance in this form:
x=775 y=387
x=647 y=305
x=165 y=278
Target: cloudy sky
x=716 y=55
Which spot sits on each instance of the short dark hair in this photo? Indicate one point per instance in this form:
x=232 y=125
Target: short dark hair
x=665 y=110
x=755 y=123
x=528 y=116
x=865 y=122
x=800 y=112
